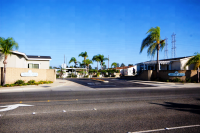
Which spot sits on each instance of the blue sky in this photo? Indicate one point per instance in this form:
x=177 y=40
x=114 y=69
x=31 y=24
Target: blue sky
x=109 y=27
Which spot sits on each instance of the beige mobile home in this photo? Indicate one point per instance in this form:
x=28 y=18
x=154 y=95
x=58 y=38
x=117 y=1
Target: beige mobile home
x=21 y=60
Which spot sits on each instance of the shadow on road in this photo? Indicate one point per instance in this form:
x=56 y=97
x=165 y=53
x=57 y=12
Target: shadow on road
x=181 y=107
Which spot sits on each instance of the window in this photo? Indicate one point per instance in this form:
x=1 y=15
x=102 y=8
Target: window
x=31 y=65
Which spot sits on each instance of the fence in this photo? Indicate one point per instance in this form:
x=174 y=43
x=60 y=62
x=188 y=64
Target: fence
x=14 y=74
x=163 y=75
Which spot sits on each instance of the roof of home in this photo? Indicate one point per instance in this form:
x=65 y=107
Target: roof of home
x=38 y=57
x=164 y=61
x=32 y=57
x=125 y=67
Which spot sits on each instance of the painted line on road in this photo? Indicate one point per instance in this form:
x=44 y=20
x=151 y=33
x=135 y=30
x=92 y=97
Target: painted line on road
x=62 y=111
x=40 y=101
x=163 y=129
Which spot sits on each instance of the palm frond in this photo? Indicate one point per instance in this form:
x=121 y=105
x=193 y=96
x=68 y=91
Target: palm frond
x=194 y=60
x=146 y=42
x=152 y=49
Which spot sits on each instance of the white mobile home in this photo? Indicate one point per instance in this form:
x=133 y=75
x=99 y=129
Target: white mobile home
x=166 y=64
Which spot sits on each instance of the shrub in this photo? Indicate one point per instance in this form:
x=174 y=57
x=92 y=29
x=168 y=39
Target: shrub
x=41 y=82
x=167 y=80
x=177 y=80
x=19 y=82
x=31 y=81
x=57 y=76
x=98 y=74
x=188 y=80
x=6 y=85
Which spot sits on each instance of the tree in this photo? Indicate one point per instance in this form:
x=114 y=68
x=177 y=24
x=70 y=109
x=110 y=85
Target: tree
x=95 y=58
x=196 y=61
x=101 y=58
x=84 y=55
x=122 y=65
x=130 y=64
x=154 y=43
x=114 y=64
x=73 y=59
x=87 y=62
x=104 y=65
x=60 y=72
x=6 y=47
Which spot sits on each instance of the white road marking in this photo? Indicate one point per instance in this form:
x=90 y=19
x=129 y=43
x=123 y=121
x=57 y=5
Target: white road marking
x=14 y=106
x=163 y=129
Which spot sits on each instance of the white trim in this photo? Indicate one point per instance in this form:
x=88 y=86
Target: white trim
x=37 y=59
x=20 y=53
x=33 y=64
x=16 y=52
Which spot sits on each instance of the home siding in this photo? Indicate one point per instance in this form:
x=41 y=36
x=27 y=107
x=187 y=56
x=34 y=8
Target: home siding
x=175 y=65
x=42 y=64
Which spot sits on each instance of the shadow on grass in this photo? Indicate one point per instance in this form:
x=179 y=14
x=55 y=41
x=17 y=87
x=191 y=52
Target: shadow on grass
x=181 y=107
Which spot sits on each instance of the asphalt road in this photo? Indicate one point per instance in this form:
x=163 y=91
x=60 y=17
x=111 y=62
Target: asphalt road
x=113 y=83
x=118 y=111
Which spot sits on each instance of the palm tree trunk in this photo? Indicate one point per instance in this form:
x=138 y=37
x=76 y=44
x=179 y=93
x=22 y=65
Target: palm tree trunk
x=158 y=48
x=101 y=65
x=97 y=65
x=198 y=74
x=4 y=75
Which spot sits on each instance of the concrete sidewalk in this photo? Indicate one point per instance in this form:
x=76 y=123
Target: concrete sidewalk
x=167 y=84
x=56 y=86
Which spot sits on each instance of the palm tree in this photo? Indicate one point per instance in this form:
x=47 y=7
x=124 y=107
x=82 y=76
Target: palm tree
x=104 y=65
x=101 y=58
x=114 y=64
x=73 y=59
x=95 y=58
x=154 y=43
x=87 y=62
x=84 y=55
x=6 y=47
x=61 y=71
x=196 y=61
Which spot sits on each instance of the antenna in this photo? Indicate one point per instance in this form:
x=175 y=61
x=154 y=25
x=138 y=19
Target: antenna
x=166 y=49
x=173 y=46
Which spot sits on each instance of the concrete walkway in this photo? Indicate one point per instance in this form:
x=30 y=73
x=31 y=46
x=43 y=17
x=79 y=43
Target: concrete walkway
x=66 y=85
x=167 y=84
x=58 y=85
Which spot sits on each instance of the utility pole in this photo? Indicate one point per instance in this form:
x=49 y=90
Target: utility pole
x=166 y=48
x=173 y=46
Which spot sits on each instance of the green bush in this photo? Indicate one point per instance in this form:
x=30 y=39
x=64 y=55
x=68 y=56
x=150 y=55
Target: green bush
x=188 y=80
x=19 y=82
x=7 y=85
x=31 y=81
x=98 y=74
x=167 y=80
x=177 y=80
